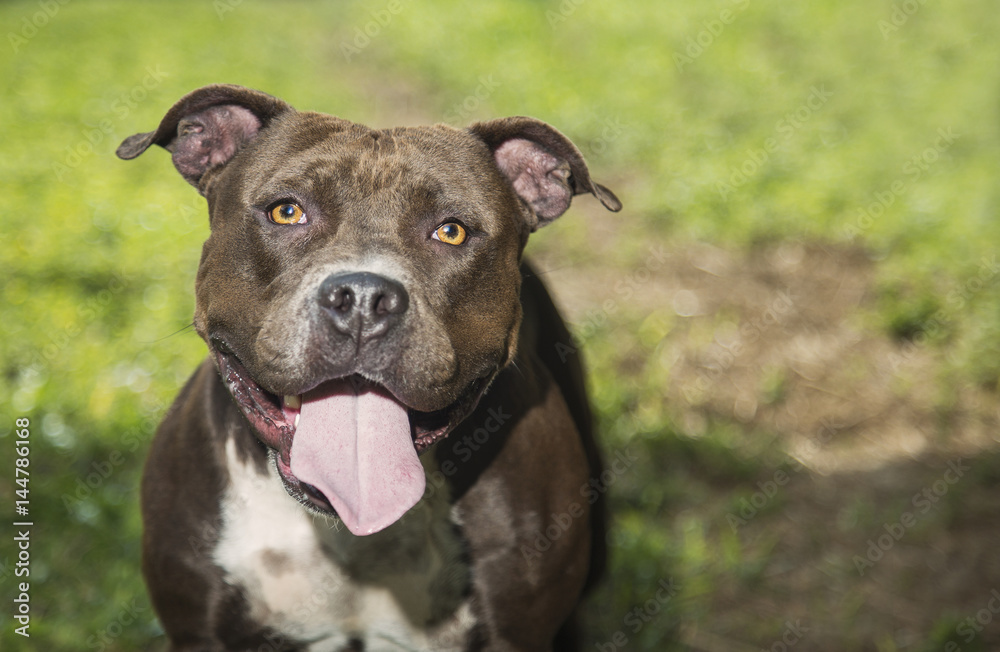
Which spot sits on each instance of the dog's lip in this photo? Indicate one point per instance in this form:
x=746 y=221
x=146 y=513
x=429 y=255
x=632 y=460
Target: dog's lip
x=301 y=491
x=274 y=416
x=262 y=408
x=274 y=419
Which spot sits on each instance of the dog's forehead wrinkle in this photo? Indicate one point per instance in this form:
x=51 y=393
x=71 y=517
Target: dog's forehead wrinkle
x=306 y=129
x=393 y=172
x=375 y=173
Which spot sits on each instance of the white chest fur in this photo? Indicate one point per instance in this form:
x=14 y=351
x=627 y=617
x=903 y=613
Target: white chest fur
x=400 y=589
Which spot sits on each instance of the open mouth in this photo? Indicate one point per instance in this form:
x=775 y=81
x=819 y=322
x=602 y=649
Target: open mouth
x=347 y=446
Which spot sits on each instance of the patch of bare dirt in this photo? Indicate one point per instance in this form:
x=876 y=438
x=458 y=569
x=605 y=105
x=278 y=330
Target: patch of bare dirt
x=779 y=340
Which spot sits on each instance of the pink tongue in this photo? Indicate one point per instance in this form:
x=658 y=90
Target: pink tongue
x=355 y=447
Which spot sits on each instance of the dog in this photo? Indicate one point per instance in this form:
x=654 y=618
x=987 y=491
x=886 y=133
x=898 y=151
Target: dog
x=388 y=446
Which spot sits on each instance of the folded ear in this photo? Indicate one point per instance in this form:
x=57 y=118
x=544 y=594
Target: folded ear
x=543 y=166
x=207 y=127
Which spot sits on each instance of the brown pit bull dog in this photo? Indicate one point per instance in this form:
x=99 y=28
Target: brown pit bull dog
x=385 y=449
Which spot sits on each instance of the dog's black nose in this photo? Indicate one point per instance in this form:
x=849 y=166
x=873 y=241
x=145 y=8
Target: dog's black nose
x=363 y=305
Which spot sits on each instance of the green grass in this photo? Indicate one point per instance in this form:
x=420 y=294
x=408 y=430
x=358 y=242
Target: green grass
x=827 y=117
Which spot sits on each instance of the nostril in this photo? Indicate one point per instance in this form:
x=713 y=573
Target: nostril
x=361 y=304
x=391 y=300
x=343 y=299
x=387 y=304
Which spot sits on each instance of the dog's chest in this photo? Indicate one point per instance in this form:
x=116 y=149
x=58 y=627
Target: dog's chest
x=404 y=588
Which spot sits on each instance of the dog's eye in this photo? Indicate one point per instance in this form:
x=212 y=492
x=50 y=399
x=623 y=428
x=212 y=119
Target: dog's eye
x=450 y=233
x=287 y=213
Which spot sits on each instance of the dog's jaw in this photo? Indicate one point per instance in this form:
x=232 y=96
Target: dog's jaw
x=274 y=419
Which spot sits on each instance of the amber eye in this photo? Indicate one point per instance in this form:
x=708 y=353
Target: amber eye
x=287 y=213
x=450 y=233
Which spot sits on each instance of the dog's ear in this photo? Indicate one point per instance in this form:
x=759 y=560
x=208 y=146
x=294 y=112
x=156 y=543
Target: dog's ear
x=544 y=167
x=207 y=127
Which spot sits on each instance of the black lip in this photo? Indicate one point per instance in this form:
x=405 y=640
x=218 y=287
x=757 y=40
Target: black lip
x=316 y=497
x=261 y=407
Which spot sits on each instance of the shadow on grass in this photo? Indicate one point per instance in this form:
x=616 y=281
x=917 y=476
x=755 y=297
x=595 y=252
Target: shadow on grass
x=902 y=556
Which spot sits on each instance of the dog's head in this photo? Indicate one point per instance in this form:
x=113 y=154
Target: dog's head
x=360 y=287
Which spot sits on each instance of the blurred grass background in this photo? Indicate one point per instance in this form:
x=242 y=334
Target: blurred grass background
x=745 y=127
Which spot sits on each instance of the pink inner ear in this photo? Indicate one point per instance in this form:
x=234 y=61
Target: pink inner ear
x=217 y=133
x=236 y=126
x=538 y=177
